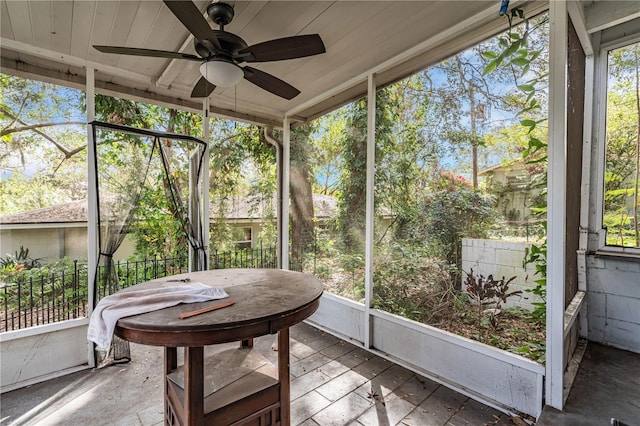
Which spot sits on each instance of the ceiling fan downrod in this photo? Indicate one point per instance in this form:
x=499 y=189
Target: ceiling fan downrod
x=220 y=13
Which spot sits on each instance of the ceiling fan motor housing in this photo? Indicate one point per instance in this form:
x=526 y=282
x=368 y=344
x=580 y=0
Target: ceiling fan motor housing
x=229 y=42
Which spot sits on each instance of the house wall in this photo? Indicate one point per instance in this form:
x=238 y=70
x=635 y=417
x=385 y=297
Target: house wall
x=55 y=243
x=42 y=243
x=501 y=258
x=613 y=301
x=512 y=193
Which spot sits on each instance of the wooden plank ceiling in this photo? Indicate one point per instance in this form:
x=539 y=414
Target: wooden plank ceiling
x=53 y=40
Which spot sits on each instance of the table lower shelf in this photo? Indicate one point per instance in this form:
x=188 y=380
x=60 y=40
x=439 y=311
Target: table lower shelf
x=241 y=387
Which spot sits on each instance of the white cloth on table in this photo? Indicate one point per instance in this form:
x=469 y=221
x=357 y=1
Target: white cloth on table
x=111 y=308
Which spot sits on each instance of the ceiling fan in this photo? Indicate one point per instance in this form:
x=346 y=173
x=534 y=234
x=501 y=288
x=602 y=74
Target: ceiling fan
x=221 y=52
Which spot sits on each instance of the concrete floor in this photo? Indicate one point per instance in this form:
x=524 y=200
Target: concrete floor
x=607 y=386
x=333 y=383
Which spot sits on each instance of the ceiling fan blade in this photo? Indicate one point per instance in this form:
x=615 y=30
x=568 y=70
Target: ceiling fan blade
x=202 y=89
x=270 y=83
x=283 y=48
x=146 y=52
x=192 y=19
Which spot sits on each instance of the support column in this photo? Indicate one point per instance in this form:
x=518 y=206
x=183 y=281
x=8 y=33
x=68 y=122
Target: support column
x=206 y=136
x=92 y=205
x=286 y=169
x=369 y=213
x=556 y=201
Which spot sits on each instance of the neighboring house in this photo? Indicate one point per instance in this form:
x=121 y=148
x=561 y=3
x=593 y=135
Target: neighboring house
x=249 y=214
x=511 y=185
x=58 y=231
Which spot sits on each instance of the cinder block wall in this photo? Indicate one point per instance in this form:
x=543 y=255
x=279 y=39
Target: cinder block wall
x=501 y=258
x=613 y=298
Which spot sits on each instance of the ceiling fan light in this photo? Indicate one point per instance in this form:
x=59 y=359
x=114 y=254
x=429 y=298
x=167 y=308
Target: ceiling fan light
x=221 y=73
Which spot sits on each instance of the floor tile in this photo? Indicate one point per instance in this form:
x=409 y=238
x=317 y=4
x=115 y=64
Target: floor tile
x=342 y=385
x=386 y=411
x=306 y=406
x=343 y=411
x=306 y=383
x=308 y=364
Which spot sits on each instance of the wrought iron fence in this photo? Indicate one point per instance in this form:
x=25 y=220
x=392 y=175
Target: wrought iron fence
x=31 y=299
x=37 y=299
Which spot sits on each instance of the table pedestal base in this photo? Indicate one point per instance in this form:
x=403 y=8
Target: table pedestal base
x=233 y=387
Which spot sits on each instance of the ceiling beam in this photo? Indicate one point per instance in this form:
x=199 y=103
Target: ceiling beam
x=72 y=60
x=166 y=74
x=75 y=78
x=576 y=13
x=605 y=14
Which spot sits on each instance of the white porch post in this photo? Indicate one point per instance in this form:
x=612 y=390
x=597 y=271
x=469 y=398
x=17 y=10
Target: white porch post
x=205 y=179
x=286 y=169
x=92 y=207
x=368 y=251
x=556 y=225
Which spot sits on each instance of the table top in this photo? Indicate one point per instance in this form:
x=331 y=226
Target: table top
x=266 y=300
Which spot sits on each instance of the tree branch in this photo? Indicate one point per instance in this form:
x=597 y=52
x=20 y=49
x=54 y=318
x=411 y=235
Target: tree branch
x=35 y=126
x=44 y=135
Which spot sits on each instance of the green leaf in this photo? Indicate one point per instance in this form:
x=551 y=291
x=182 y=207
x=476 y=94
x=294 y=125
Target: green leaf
x=520 y=61
x=513 y=48
x=489 y=54
x=492 y=65
x=527 y=87
x=528 y=123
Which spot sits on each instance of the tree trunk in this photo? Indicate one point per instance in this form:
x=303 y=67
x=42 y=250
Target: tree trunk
x=302 y=224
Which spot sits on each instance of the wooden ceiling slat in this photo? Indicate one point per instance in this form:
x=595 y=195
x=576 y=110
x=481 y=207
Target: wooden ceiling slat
x=20 y=21
x=82 y=28
x=146 y=18
x=6 y=29
x=100 y=31
x=62 y=17
x=41 y=25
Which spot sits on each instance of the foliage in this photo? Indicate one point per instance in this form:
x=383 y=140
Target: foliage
x=410 y=283
x=519 y=56
x=488 y=295
x=448 y=216
x=20 y=260
x=537 y=255
x=622 y=167
x=42 y=130
x=352 y=194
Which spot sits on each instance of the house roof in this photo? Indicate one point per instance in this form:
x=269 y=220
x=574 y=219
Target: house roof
x=236 y=208
x=512 y=166
x=72 y=212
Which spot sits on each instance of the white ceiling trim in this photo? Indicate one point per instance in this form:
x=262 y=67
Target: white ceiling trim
x=605 y=14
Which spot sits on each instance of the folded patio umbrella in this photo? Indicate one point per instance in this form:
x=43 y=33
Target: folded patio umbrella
x=112 y=308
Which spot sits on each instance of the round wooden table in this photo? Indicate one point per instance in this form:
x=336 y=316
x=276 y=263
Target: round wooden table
x=237 y=386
